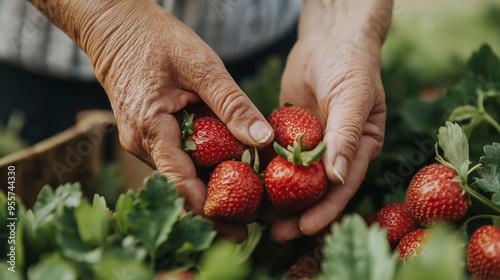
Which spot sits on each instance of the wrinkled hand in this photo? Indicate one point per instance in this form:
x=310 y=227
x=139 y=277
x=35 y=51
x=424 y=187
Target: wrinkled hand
x=338 y=79
x=151 y=66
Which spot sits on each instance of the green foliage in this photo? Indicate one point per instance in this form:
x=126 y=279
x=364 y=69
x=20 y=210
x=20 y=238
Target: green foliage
x=455 y=146
x=10 y=136
x=218 y=263
x=442 y=258
x=354 y=251
x=263 y=88
x=67 y=237
x=489 y=172
x=154 y=212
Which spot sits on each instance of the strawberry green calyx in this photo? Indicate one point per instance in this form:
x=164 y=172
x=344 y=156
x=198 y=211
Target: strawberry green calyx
x=187 y=129
x=247 y=158
x=295 y=154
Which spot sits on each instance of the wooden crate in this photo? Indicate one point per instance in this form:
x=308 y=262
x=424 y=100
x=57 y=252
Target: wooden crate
x=74 y=155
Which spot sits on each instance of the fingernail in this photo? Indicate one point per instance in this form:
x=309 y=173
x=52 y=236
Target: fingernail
x=340 y=168
x=260 y=132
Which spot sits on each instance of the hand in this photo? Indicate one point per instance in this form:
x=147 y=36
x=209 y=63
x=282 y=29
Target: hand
x=151 y=66
x=336 y=76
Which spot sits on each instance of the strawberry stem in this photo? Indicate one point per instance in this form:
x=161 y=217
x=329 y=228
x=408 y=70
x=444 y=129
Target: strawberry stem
x=473 y=168
x=486 y=202
x=480 y=106
x=463 y=227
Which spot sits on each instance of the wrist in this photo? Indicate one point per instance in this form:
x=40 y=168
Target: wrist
x=351 y=21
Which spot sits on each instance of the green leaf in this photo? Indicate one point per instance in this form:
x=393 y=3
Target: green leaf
x=51 y=203
x=442 y=258
x=5 y=273
x=69 y=242
x=53 y=267
x=462 y=113
x=94 y=221
x=455 y=146
x=354 y=251
x=123 y=206
x=218 y=263
x=246 y=248
x=191 y=234
x=154 y=212
x=486 y=66
x=489 y=171
x=122 y=260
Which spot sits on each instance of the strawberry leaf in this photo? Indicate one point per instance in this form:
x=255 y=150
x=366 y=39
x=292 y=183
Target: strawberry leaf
x=190 y=235
x=455 y=146
x=122 y=208
x=50 y=204
x=489 y=172
x=93 y=221
x=154 y=212
x=354 y=251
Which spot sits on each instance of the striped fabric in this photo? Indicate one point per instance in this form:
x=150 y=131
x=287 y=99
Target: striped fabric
x=233 y=28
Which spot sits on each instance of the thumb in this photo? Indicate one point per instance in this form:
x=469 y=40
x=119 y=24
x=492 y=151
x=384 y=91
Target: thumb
x=345 y=124
x=221 y=93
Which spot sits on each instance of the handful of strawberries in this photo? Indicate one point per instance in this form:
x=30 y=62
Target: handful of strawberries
x=292 y=175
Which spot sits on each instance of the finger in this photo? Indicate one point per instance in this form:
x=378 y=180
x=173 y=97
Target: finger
x=286 y=228
x=221 y=93
x=337 y=196
x=164 y=147
x=347 y=114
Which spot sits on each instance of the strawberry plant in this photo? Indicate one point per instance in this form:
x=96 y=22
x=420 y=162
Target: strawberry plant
x=66 y=234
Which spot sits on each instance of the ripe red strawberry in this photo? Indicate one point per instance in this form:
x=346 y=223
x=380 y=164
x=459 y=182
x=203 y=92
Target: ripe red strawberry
x=297 y=182
x=483 y=254
x=395 y=218
x=234 y=192
x=290 y=122
x=175 y=275
x=210 y=142
x=432 y=195
x=307 y=267
x=412 y=244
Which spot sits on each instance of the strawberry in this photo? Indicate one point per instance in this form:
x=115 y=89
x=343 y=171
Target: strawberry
x=411 y=245
x=234 y=191
x=175 y=275
x=209 y=141
x=432 y=195
x=294 y=180
x=305 y=268
x=290 y=122
x=395 y=218
x=483 y=253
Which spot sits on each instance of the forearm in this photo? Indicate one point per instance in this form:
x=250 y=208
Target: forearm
x=91 y=24
x=349 y=19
